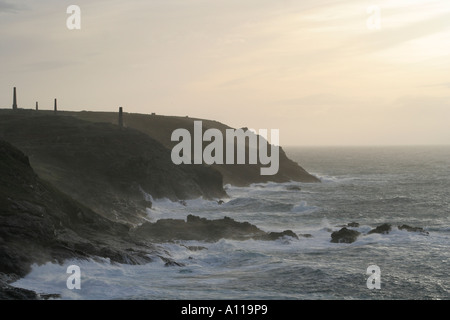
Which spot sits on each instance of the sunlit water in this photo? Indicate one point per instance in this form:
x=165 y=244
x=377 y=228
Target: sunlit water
x=371 y=186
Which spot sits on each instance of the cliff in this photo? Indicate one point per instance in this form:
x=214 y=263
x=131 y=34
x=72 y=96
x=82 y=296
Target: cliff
x=38 y=223
x=106 y=168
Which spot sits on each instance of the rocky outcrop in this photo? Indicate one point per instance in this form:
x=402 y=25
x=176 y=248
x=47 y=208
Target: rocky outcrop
x=383 y=229
x=39 y=224
x=278 y=235
x=413 y=229
x=293 y=188
x=196 y=228
x=344 y=235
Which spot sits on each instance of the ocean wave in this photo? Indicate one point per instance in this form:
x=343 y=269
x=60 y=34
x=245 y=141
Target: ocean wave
x=165 y=208
x=258 y=205
x=334 y=179
x=303 y=207
x=397 y=199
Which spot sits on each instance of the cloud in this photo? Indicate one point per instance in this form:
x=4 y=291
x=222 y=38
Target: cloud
x=391 y=37
x=7 y=7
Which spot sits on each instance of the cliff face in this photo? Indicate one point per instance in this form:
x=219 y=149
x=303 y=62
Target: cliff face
x=38 y=223
x=161 y=127
x=107 y=169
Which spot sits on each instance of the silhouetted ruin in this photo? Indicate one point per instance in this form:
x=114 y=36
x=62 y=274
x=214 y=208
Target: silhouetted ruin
x=14 y=106
x=121 y=117
x=37 y=106
x=56 y=105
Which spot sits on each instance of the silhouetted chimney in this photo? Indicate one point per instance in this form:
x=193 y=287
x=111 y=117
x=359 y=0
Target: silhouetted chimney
x=14 y=106
x=56 y=105
x=37 y=106
x=121 y=117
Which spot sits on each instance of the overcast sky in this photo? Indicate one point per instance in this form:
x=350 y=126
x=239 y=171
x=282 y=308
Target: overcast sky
x=310 y=68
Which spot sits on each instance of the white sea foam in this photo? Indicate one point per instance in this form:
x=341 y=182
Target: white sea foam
x=303 y=207
x=333 y=179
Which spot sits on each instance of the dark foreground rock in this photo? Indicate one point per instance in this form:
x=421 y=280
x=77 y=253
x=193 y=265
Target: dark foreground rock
x=39 y=224
x=344 y=236
x=196 y=228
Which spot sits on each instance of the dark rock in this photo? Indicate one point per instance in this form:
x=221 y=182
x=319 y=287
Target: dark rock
x=279 y=235
x=183 y=203
x=197 y=228
x=195 y=248
x=305 y=235
x=353 y=224
x=147 y=204
x=220 y=202
x=344 y=236
x=39 y=224
x=349 y=225
x=171 y=263
x=412 y=229
x=8 y=292
x=294 y=188
x=383 y=229
x=49 y=296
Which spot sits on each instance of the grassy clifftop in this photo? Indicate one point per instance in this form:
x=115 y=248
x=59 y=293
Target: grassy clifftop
x=160 y=128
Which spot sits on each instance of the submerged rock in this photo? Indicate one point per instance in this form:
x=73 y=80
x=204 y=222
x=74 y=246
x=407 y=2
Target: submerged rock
x=194 y=248
x=353 y=224
x=305 y=235
x=170 y=262
x=278 y=235
x=350 y=225
x=412 y=229
x=344 y=236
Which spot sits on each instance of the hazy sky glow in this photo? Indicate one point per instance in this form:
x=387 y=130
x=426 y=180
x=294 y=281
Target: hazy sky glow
x=310 y=68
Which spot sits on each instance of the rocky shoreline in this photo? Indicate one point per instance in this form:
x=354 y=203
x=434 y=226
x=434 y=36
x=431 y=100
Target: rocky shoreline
x=40 y=224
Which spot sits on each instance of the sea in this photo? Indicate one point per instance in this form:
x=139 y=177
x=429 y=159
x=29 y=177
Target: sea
x=368 y=185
